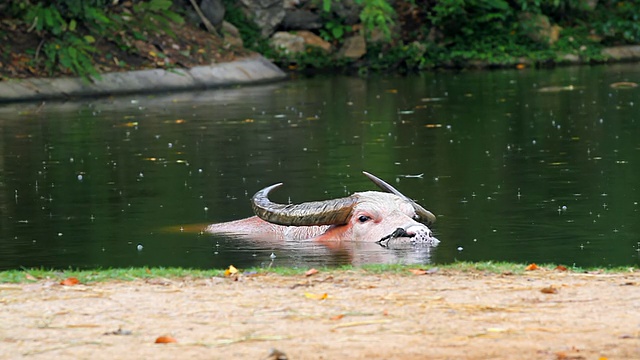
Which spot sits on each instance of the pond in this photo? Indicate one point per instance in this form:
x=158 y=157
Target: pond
x=534 y=165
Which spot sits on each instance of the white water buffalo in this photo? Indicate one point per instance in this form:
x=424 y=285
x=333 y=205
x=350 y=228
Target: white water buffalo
x=387 y=218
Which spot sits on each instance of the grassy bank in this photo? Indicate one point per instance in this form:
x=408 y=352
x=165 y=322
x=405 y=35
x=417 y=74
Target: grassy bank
x=131 y=274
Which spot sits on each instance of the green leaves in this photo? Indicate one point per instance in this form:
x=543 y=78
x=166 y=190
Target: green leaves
x=70 y=53
x=45 y=19
x=377 y=14
x=69 y=28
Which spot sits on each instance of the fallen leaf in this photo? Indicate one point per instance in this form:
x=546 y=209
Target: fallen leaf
x=315 y=296
x=423 y=271
x=70 y=281
x=29 y=277
x=230 y=271
x=561 y=268
x=128 y=124
x=166 y=339
x=496 y=330
x=531 y=267
x=549 y=290
x=311 y=271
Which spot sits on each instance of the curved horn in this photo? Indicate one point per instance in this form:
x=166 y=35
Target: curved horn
x=329 y=212
x=423 y=214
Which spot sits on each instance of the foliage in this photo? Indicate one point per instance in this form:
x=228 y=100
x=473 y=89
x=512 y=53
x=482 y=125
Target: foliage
x=334 y=30
x=131 y=274
x=499 y=32
x=416 y=34
x=471 y=17
x=69 y=28
x=376 y=15
x=619 y=22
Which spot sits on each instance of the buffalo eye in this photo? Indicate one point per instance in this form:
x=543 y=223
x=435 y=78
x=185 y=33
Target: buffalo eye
x=363 y=218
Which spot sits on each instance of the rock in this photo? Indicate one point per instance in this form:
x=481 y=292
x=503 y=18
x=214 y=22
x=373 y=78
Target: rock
x=266 y=14
x=296 y=42
x=299 y=19
x=376 y=35
x=539 y=29
x=627 y=53
x=231 y=34
x=311 y=39
x=287 y=43
x=570 y=58
x=348 y=10
x=354 y=47
x=213 y=10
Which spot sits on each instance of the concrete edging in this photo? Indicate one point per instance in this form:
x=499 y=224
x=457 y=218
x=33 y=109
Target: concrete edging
x=251 y=70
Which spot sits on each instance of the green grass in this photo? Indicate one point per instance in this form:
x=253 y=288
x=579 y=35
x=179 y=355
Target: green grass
x=130 y=274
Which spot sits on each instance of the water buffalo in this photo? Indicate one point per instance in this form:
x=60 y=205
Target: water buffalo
x=384 y=217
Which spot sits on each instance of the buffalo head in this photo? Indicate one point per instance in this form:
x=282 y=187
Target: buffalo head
x=386 y=218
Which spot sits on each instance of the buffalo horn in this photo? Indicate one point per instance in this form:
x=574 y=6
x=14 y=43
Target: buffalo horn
x=423 y=214
x=329 y=212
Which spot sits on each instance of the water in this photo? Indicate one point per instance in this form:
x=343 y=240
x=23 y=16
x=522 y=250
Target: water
x=524 y=166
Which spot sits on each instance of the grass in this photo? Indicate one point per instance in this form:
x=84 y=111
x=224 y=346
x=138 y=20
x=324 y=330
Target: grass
x=130 y=274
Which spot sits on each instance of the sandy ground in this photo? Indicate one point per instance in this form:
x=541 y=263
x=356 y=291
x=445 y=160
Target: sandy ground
x=445 y=314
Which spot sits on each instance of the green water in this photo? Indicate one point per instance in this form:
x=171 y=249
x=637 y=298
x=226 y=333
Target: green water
x=524 y=166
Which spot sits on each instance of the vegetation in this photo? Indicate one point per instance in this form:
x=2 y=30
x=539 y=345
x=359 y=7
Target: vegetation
x=422 y=34
x=402 y=35
x=130 y=274
x=69 y=29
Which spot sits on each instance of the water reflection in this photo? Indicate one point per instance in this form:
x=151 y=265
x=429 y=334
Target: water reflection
x=513 y=173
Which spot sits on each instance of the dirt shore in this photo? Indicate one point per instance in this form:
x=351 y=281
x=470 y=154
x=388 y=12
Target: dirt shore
x=355 y=314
